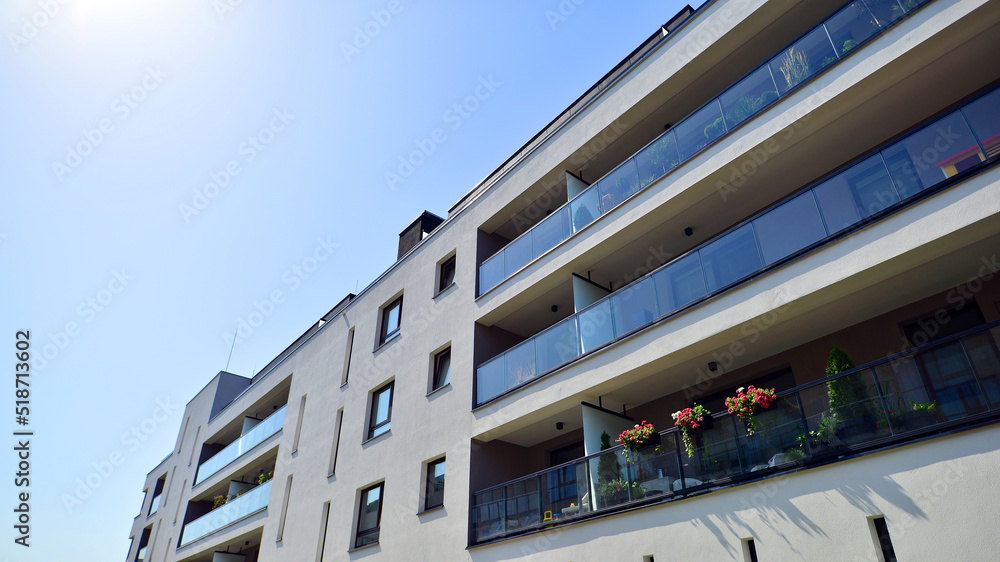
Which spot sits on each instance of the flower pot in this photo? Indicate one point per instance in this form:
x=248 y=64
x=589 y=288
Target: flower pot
x=708 y=423
x=651 y=443
x=912 y=421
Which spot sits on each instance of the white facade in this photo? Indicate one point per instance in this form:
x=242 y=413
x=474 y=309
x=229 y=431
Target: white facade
x=306 y=417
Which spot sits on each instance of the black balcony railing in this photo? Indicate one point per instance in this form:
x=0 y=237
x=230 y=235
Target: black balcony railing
x=853 y=24
x=873 y=186
x=938 y=387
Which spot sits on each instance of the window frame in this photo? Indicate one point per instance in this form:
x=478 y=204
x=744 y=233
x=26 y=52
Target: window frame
x=429 y=481
x=436 y=365
x=362 y=533
x=441 y=285
x=385 y=334
x=373 y=425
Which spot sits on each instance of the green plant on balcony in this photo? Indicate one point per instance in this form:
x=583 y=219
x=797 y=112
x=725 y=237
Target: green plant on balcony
x=661 y=159
x=794 y=67
x=850 y=398
x=749 y=105
x=636 y=437
x=219 y=501
x=265 y=476
x=748 y=402
x=608 y=469
x=689 y=420
x=618 y=491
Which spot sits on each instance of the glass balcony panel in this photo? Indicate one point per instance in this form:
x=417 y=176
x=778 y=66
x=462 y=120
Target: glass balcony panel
x=851 y=26
x=596 y=327
x=749 y=96
x=775 y=440
x=491 y=273
x=699 y=130
x=490 y=380
x=231 y=512
x=260 y=432
x=565 y=493
x=855 y=405
x=679 y=283
x=787 y=229
x=904 y=392
x=984 y=117
x=634 y=307
x=551 y=231
x=520 y=364
x=885 y=11
x=487 y=514
x=610 y=476
x=517 y=254
x=730 y=258
x=585 y=208
x=932 y=155
x=856 y=194
x=953 y=384
x=716 y=455
x=618 y=186
x=657 y=159
x=803 y=60
x=984 y=352
x=522 y=504
x=557 y=345
x=653 y=472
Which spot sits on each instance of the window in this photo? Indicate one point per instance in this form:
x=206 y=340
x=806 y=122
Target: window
x=390 y=320
x=336 y=443
x=347 y=357
x=749 y=550
x=378 y=422
x=369 y=516
x=446 y=275
x=435 y=484
x=442 y=369
x=884 y=541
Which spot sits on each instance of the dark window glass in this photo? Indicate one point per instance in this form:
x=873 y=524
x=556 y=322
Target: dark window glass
x=750 y=95
x=699 y=129
x=802 y=60
x=753 y=550
x=447 y=274
x=856 y=194
x=381 y=414
x=369 y=516
x=442 y=368
x=435 y=484
x=851 y=26
x=984 y=117
x=932 y=155
x=390 y=320
x=884 y=541
x=730 y=258
x=787 y=229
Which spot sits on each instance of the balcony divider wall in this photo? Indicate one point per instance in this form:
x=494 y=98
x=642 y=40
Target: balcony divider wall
x=821 y=47
x=947 y=385
x=964 y=141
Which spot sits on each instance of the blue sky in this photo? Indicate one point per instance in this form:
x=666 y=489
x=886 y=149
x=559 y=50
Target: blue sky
x=167 y=167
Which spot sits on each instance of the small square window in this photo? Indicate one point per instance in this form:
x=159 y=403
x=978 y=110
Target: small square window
x=390 y=320
x=447 y=274
x=369 y=516
x=442 y=369
x=435 y=484
x=381 y=413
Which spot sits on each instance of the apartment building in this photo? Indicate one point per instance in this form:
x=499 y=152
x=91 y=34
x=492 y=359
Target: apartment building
x=758 y=184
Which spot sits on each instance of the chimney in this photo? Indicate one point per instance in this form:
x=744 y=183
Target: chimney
x=417 y=231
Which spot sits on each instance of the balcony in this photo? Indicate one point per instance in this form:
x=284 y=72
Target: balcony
x=941 y=387
x=141 y=555
x=255 y=436
x=235 y=510
x=818 y=49
x=931 y=157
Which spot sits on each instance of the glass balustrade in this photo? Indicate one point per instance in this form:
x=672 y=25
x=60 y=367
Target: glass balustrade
x=882 y=403
x=822 y=46
x=257 y=435
x=887 y=179
x=240 y=508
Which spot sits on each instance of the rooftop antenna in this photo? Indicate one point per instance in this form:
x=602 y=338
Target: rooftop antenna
x=231 y=352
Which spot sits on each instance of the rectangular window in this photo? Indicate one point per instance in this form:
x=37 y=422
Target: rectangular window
x=369 y=516
x=347 y=357
x=390 y=320
x=298 y=426
x=447 y=274
x=435 y=484
x=442 y=369
x=381 y=413
x=322 y=534
x=884 y=542
x=284 y=508
x=749 y=550
x=336 y=443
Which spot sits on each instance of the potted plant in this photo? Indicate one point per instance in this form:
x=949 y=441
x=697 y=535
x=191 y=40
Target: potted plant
x=748 y=402
x=265 y=476
x=920 y=414
x=608 y=469
x=689 y=420
x=848 y=398
x=617 y=491
x=642 y=436
x=822 y=438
